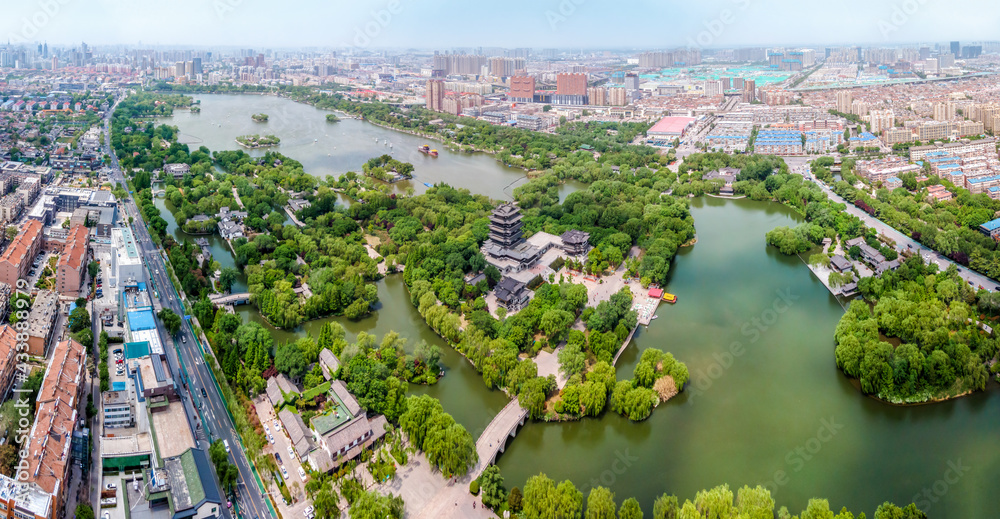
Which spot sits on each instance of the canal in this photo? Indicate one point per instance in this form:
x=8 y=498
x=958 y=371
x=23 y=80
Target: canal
x=765 y=405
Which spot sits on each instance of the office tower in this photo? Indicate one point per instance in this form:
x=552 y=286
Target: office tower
x=179 y=69
x=571 y=84
x=946 y=60
x=260 y=60
x=188 y=69
x=956 y=49
x=435 y=95
x=632 y=81
x=196 y=64
x=55 y=62
x=925 y=52
x=522 y=89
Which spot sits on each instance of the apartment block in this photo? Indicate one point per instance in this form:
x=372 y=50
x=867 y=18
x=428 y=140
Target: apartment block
x=16 y=261
x=72 y=263
x=880 y=170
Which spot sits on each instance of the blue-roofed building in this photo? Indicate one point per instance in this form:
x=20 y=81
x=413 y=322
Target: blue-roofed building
x=991 y=228
x=893 y=182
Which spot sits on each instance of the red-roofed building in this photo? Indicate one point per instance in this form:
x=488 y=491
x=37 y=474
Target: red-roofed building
x=656 y=293
x=49 y=458
x=16 y=260
x=671 y=127
x=8 y=359
x=69 y=271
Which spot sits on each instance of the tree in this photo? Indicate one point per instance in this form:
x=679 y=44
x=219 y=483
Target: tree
x=84 y=511
x=92 y=269
x=665 y=507
x=227 y=277
x=630 y=509
x=491 y=483
x=11 y=233
x=170 y=320
x=514 y=500
x=600 y=504
x=289 y=359
x=572 y=360
x=79 y=319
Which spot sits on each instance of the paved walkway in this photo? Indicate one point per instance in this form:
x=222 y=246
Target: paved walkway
x=236 y=195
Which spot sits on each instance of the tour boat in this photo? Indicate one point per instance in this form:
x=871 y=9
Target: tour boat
x=670 y=298
x=434 y=153
x=423 y=148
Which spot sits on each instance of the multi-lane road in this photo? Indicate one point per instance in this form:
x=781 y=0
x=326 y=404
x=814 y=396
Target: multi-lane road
x=904 y=242
x=189 y=369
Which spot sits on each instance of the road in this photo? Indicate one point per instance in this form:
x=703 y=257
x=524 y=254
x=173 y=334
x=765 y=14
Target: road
x=904 y=242
x=195 y=372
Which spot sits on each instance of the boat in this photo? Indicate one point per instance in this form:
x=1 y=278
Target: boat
x=654 y=316
x=428 y=185
x=315 y=140
x=434 y=153
x=423 y=148
x=670 y=298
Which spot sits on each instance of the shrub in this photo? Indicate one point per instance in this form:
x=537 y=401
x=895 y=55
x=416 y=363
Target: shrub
x=474 y=487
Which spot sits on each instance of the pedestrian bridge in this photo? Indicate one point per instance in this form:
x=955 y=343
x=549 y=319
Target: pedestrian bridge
x=494 y=439
x=240 y=298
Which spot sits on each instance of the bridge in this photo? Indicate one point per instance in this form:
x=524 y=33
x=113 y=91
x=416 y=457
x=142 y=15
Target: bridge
x=240 y=298
x=493 y=441
x=625 y=344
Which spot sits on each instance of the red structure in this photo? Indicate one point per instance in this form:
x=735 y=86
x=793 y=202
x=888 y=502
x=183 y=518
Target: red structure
x=571 y=84
x=522 y=88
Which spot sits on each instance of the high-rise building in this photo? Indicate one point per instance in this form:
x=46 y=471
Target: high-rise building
x=522 y=89
x=956 y=49
x=196 y=64
x=435 y=95
x=571 y=84
x=55 y=62
x=179 y=69
x=632 y=81
x=713 y=87
x=944 y=111
x=945 y=60
x=925 y=52
x=506 y=67
x=617 y=96
x=881 y=120
x=597 y=96
x=844 y=100
x=749 y=90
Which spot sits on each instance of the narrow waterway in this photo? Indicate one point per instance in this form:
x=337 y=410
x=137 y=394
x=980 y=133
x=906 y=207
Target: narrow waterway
x=766 y=403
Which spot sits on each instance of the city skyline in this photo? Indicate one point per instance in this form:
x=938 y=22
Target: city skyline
x=559 y=24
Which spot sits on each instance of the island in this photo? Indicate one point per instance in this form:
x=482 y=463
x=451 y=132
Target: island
x=332 y=118
x=257 y=141
x=387 y=169
x=259 y=118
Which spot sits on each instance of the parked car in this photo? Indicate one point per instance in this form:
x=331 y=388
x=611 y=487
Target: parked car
x=270 y=439
x=291 y=451
x=277 y=457
x=302 y=474
x=110 y=486
x=284 y=472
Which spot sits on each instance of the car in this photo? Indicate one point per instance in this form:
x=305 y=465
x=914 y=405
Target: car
x=277 y=457
x=291 y=452
x=184 y=338
x=266 y=429
x=116 y=350
x=284 y=472
x=309 y=510
x=204 y=394
x=302 y=474
x=106 y=515
x=270 y=439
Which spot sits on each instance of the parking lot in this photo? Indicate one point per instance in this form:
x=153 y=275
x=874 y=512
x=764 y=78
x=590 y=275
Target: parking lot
x=281 y=447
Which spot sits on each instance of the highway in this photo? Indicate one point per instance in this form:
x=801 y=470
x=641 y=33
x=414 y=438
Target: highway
x=905 y=243
x=191 y=366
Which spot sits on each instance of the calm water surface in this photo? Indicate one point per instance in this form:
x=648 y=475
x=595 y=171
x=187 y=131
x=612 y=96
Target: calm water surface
x=766 y=403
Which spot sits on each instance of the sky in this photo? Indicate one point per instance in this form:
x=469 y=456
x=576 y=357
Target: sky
x=444 y=24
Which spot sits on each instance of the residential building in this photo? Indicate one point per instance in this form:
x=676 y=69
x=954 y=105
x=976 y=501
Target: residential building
x=8 y=359
x=20 y=500
x=880 y=170
x=435 y=95
x=72 y=263
x=991 y=229
x=597 y=96
x=16 y=261
x=190 y=481
x=177 y=170
x=845 y=98
x=892 y=136
x=881 y=120
x=41 y=321
x=987 y=145
x=749 y=90
x=617 y=96
x=55 y=419
x=944 y=111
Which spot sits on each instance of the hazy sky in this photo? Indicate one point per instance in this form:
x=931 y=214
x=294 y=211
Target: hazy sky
x=443 y=24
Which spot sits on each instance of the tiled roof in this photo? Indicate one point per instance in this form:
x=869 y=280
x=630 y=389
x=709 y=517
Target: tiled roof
x=76 y=247
x=17 y=251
